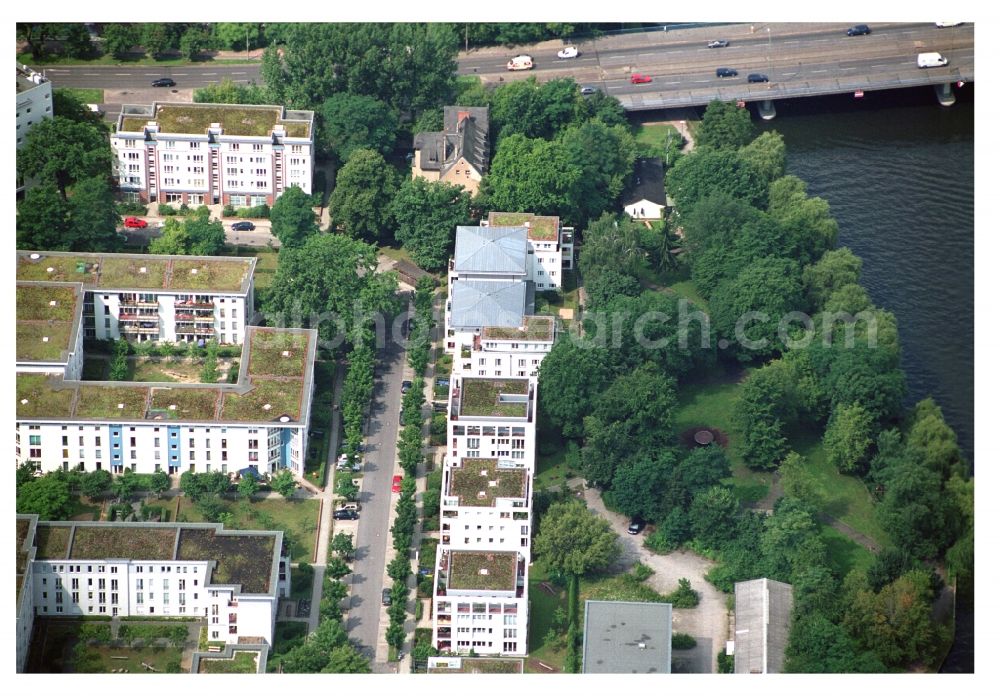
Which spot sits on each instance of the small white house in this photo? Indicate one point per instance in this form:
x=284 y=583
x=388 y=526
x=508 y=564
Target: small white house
x=646 y=199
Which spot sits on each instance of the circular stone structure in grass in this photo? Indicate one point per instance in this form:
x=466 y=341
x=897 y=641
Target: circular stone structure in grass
x=704 y=437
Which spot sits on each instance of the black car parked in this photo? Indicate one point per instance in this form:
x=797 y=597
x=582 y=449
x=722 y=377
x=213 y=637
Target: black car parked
x=859 y=30
x=636 y=526
x=345 y=515
x=756 y=77
x=243 y=226
x=386 y=597
x=163 y=82
x=726 y=72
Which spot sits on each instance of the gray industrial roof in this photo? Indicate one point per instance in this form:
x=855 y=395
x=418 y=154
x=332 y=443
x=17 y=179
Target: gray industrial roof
x=488 y=249
x=626 y=637
x=482 y=303
x=647 y=182
x=763 y=619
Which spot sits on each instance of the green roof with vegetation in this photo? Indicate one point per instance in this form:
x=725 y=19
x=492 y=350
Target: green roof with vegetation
x=44 y=330
x=241 y=662
x=114 y=542
x=269 y=399
x=137 y=271
x=39 y=396
x=481 y=397
x=542 y=227
x=480 y=482
x=107 y=401
x=465 y=571
x=235 y=120
x=535 y=328
x=268 y=349
x=189 y=404
x=52 y=541
x=243 y=559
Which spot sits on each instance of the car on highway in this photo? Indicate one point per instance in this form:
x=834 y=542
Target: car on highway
x=859 y=30
x=640 y=79
x=132 y=221
x=405 y=386
x=521 y=63
x=163 y=82
x=718 y=43
x=942 y=25
x=568 y=52
x=242 y=226
x=756 y=77
x=346 y=514
x=932 y=59
x=636 y=525
x=397 y=483
x=588 y=91
x=725 y=72
x=386 y=597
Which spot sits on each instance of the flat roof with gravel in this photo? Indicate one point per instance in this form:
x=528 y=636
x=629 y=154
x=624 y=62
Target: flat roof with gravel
x=627 y=637
x=533 y=328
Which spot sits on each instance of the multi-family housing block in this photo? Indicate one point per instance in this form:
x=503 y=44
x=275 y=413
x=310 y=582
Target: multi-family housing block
x=147 y=297
x=460 y=154
x=239 y=155
x=232 y=578
x=497 y=343
x=65 y=422
x=34 y=103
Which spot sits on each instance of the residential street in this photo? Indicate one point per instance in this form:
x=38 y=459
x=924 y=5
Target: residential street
x=708 y=622
x=377 y=504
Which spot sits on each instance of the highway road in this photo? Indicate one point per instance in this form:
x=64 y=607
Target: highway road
x=791 y=54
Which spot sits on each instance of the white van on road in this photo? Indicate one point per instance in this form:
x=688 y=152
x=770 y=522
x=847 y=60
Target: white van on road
x=520 y=63
x=931 y=60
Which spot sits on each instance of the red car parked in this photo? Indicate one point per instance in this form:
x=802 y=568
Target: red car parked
x=132 y=221
x=640 y=79
x=397 y=483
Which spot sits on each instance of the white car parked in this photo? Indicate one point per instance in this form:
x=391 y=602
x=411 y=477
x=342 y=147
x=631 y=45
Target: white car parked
x=568 y=52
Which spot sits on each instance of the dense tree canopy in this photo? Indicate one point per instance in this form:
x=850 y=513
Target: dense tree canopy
x=724 y=125
x=606 y=156
x=64 y=152
x=359 y=203
x=229 y=92
x=292 y=217
x=47 y=496
x=426 y=215
x=349 y=122
x=808 y=222
x=573 y=541
x=532 y=175
x=197 y=235
x=706 y=171
x=570 y=379
x=848 y=438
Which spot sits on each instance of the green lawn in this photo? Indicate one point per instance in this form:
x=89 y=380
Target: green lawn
x=83 y=509
x=620 y=587
x=543 y=607
x=287 y=635
x=84 y=95
x=144 y=60
x=843 y=552
x=712 y=402
x=267 y=262
x=56 y=648
x=652 y=134
x=837 y=495
x=302 y=582
x=552 y=470
x=297 y=519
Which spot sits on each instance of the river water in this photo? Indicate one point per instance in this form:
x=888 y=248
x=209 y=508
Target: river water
x=897 y=170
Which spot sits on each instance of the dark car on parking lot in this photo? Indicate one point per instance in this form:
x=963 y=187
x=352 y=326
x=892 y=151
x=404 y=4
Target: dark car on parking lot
x=243 y=226
x=386 y=597
x=636 y=526
x=345 y=514
x=859 y=30
x=163 y=82
x=756 y=77
x=726 y=72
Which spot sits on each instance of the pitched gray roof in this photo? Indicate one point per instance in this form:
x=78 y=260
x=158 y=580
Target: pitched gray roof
x=763 y=620
x=480 y=303
x=627 y=637
x=647 y=182
x=491 y=250
x=468 y=137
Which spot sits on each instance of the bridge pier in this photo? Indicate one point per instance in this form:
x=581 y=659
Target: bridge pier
x=765 y=109
x=945 y=95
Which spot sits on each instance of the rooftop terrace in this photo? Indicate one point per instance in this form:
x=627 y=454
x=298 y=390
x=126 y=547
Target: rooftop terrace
x=488 y=571
x=463 y=664
x=138 y=271
x=235 y=120
x=484 y=397
x=534 y=328
x=540 y=227
x=244 y=558
x=480 y=482
x=46 y=316
x=257 y=398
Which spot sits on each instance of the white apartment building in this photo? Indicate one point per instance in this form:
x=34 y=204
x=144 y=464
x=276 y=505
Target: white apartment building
x=481 y=602
x=260 y=421
x=239 y=155
x=25 y=557
x=232 y=578
x=34 y=103
x=151 y=297
x=550 y=245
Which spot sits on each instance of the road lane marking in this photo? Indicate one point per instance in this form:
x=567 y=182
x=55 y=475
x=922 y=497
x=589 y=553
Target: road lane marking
x=819 y=71
x=121 y=74
x=240 y=73
x=180 y=74
x=92 y=74
x=209 y=73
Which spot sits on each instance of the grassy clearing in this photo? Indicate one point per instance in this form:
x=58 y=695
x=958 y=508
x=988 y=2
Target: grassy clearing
x=56 y=647
x=396 y=254
x=302 y=582
x=835 y=494
x=543 y=609
x=652 y=134
x=287 y=635
x=84 y=95
x=296 y=518
x=267 y=262
x=554 y=469
x=83 y=509
x=241 y=662
x=843 y=552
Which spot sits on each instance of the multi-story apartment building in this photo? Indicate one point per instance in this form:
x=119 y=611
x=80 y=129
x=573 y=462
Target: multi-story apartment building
x=260 y=421
x=25 y=593
x=232 y=578
x=460 y=154
x=149 y=297
x=481 y=601
x=240 y=155
x=550 y=245
x=34 y=103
